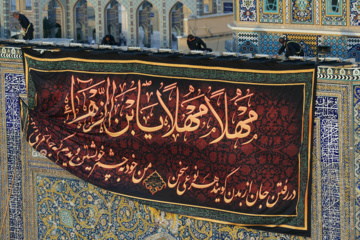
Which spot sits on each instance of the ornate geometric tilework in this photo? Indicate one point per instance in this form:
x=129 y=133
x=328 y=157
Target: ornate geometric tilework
x=352 y=41
x=247 y=10
x=338 y=45
x=248 y=36
x=353 y=47
x=302 y=11
x=270 y=6
x=275 y=15
x=328 y=17
x=248 y=47
x=309 y=43
x=331 y=108
x=354 y=12
x=73 y=209
x=317 y=11
x=287 y=11
x=3 y=160
x=327 y=111
x=14 y=85
x=248 y=42
x=357 y=158
x=269 y=43
x=354 y=52
x=308 y=52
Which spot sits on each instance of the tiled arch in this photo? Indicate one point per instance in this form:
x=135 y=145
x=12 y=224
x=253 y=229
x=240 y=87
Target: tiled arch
x=42 y=5
x=101 y=22
x=156 y=4
x=166 y=18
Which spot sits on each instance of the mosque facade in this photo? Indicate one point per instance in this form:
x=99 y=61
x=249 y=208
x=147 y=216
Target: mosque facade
x=258 y=25
x=138 y=23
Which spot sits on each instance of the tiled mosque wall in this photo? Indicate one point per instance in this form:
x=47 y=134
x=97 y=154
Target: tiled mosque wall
x=303 y=12
x=268 y=43
x=298 y=20
x=48 y=203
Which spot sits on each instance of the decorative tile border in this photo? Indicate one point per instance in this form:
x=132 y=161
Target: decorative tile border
x=10 y=52
x=267 y=43
x=338 y=74
x=247 y=10
x=302 y=12
x=72 y=208
x=356 y=92
x=330 y=20
x=309 y=40
x=267 y=17
x=248 y=36
x=354 y=12
x=248 y=42
x=14 y=85
x=333 y=109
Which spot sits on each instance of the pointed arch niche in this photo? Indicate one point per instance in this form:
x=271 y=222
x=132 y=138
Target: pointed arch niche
x=148 y=25
x=177 y=14
x=52 y=19
x=84 y=14
x=176 y=23
x=116 y=21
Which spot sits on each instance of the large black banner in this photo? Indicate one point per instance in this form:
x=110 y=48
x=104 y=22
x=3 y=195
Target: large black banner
x=216 y=139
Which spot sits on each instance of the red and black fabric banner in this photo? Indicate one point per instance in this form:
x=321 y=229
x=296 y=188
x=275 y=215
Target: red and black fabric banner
x=222 y=140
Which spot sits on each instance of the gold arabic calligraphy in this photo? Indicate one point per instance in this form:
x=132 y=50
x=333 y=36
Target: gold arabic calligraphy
x=120 y=101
